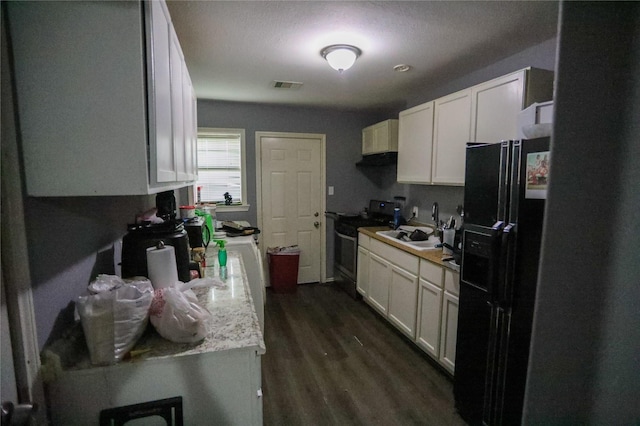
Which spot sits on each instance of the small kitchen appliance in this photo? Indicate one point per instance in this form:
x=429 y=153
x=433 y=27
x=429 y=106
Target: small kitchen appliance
x=504 y=199
x=142 y=236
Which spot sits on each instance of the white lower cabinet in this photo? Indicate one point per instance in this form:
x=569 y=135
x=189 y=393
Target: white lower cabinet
x=403 y=296
x=393 y=285
x=430 y=311
x=437 y=316
x=417 y=296
x=379 y=279
x=449 y=328
x=362 y=272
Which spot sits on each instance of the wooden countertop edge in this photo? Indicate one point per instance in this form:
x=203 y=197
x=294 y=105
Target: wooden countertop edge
x=434 y=256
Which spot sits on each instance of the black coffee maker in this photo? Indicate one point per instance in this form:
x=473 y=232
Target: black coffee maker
x=144 y=235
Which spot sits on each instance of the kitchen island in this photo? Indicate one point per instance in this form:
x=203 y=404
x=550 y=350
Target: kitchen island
x=219 y=378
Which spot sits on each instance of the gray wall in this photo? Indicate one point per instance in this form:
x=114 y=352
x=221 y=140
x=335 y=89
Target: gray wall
x=354 y=187
x=585 y=361
x=71 y=240
x=343 y=145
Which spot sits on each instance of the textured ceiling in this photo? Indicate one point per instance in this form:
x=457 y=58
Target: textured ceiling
x=236 y=49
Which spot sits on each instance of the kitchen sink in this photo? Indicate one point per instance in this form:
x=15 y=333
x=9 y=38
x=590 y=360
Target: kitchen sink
x=393 y=235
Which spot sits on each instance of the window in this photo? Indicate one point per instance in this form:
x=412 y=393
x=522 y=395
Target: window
x=221 y=167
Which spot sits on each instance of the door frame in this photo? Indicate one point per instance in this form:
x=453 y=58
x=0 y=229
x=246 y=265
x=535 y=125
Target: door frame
x=15 y=277
x=323 y=195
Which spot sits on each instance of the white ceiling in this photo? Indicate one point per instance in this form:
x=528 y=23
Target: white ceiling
x=236 y=49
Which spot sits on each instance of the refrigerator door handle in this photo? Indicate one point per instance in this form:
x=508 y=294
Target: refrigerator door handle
x=504 y=279
x=494 y=260
x=509 y=258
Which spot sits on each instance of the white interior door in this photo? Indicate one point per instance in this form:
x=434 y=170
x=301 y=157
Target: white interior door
x=291 y=197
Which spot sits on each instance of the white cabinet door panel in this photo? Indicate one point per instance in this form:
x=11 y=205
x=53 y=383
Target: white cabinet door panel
x=403 y=297
x=379 y=279
x=451 y=132
x=362 y=274
x=163 y=166
x=415 y=142
x=496 y=105
x=448 y=332
x=429 y=313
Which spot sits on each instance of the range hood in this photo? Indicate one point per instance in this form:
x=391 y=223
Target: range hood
x=381 y=159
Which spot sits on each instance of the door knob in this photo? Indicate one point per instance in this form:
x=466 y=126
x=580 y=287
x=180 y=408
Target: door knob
x=316 y=224
x=316 y=214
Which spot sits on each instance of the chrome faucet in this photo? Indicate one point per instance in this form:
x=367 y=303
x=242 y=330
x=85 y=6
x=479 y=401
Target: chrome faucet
x=435 y=214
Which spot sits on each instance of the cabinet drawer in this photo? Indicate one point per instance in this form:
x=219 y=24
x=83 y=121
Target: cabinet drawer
x=452 y=281
x=431 y=272
x=364 y=241
x=396 y=256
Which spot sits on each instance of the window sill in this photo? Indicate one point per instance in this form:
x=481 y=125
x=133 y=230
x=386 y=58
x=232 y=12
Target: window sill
x=233 y=208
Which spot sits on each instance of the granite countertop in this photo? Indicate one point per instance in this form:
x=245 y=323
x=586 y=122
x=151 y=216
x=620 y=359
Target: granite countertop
x=233 y=325
x=434 y=256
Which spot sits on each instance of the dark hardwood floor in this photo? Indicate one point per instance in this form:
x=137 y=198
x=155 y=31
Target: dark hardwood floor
x=331 y=360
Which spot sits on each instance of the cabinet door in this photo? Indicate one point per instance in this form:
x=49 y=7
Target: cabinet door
x=385 y=136
x=177 y=106
x=403 y=300
x=362 y=274
x=163 y=164
x=496 y=105
x=429 y=313
x=448 y=332
x=190 y=129
x=381 y=137
x=379 y=279
x=415 y=143
x=451 y=132
x=367 y=140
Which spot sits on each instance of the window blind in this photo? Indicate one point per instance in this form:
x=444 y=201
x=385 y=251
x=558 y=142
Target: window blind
x=220 y=167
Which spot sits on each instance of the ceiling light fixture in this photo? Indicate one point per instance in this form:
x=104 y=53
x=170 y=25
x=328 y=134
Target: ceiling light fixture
x=340 y=56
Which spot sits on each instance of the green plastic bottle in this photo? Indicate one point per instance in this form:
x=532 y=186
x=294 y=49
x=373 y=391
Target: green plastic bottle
x=222 y=253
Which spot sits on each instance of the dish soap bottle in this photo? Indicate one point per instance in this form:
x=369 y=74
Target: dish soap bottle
x=222 y=253
x=396 y=218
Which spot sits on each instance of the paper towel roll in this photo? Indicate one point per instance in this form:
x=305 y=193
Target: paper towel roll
x=161 y=264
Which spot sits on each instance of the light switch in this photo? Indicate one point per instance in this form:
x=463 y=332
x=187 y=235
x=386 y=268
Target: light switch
x=331 y=190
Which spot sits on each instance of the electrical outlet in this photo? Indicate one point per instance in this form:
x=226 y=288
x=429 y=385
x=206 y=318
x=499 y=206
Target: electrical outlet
x=415 y=211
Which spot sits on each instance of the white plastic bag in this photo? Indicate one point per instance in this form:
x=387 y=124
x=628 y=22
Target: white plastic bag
x=114 y=316
x=176 y=314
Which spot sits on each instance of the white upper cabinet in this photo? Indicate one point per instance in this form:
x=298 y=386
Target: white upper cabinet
x=380 y=137
x=164 y=169
x=484 y=113
x=415 y=140
x=96 y=95
x=451 y=132
x=497 y=103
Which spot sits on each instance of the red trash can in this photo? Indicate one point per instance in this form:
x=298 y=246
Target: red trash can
x=283 y=268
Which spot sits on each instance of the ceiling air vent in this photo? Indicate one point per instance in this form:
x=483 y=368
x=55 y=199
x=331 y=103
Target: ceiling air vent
x=287 y=84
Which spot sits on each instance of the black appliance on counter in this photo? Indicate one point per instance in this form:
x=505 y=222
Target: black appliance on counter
x=145 y=235
x=345 y=246
x=504 y=198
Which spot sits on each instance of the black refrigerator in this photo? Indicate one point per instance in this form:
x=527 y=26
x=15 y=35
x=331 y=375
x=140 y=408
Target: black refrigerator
x=504 y=197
